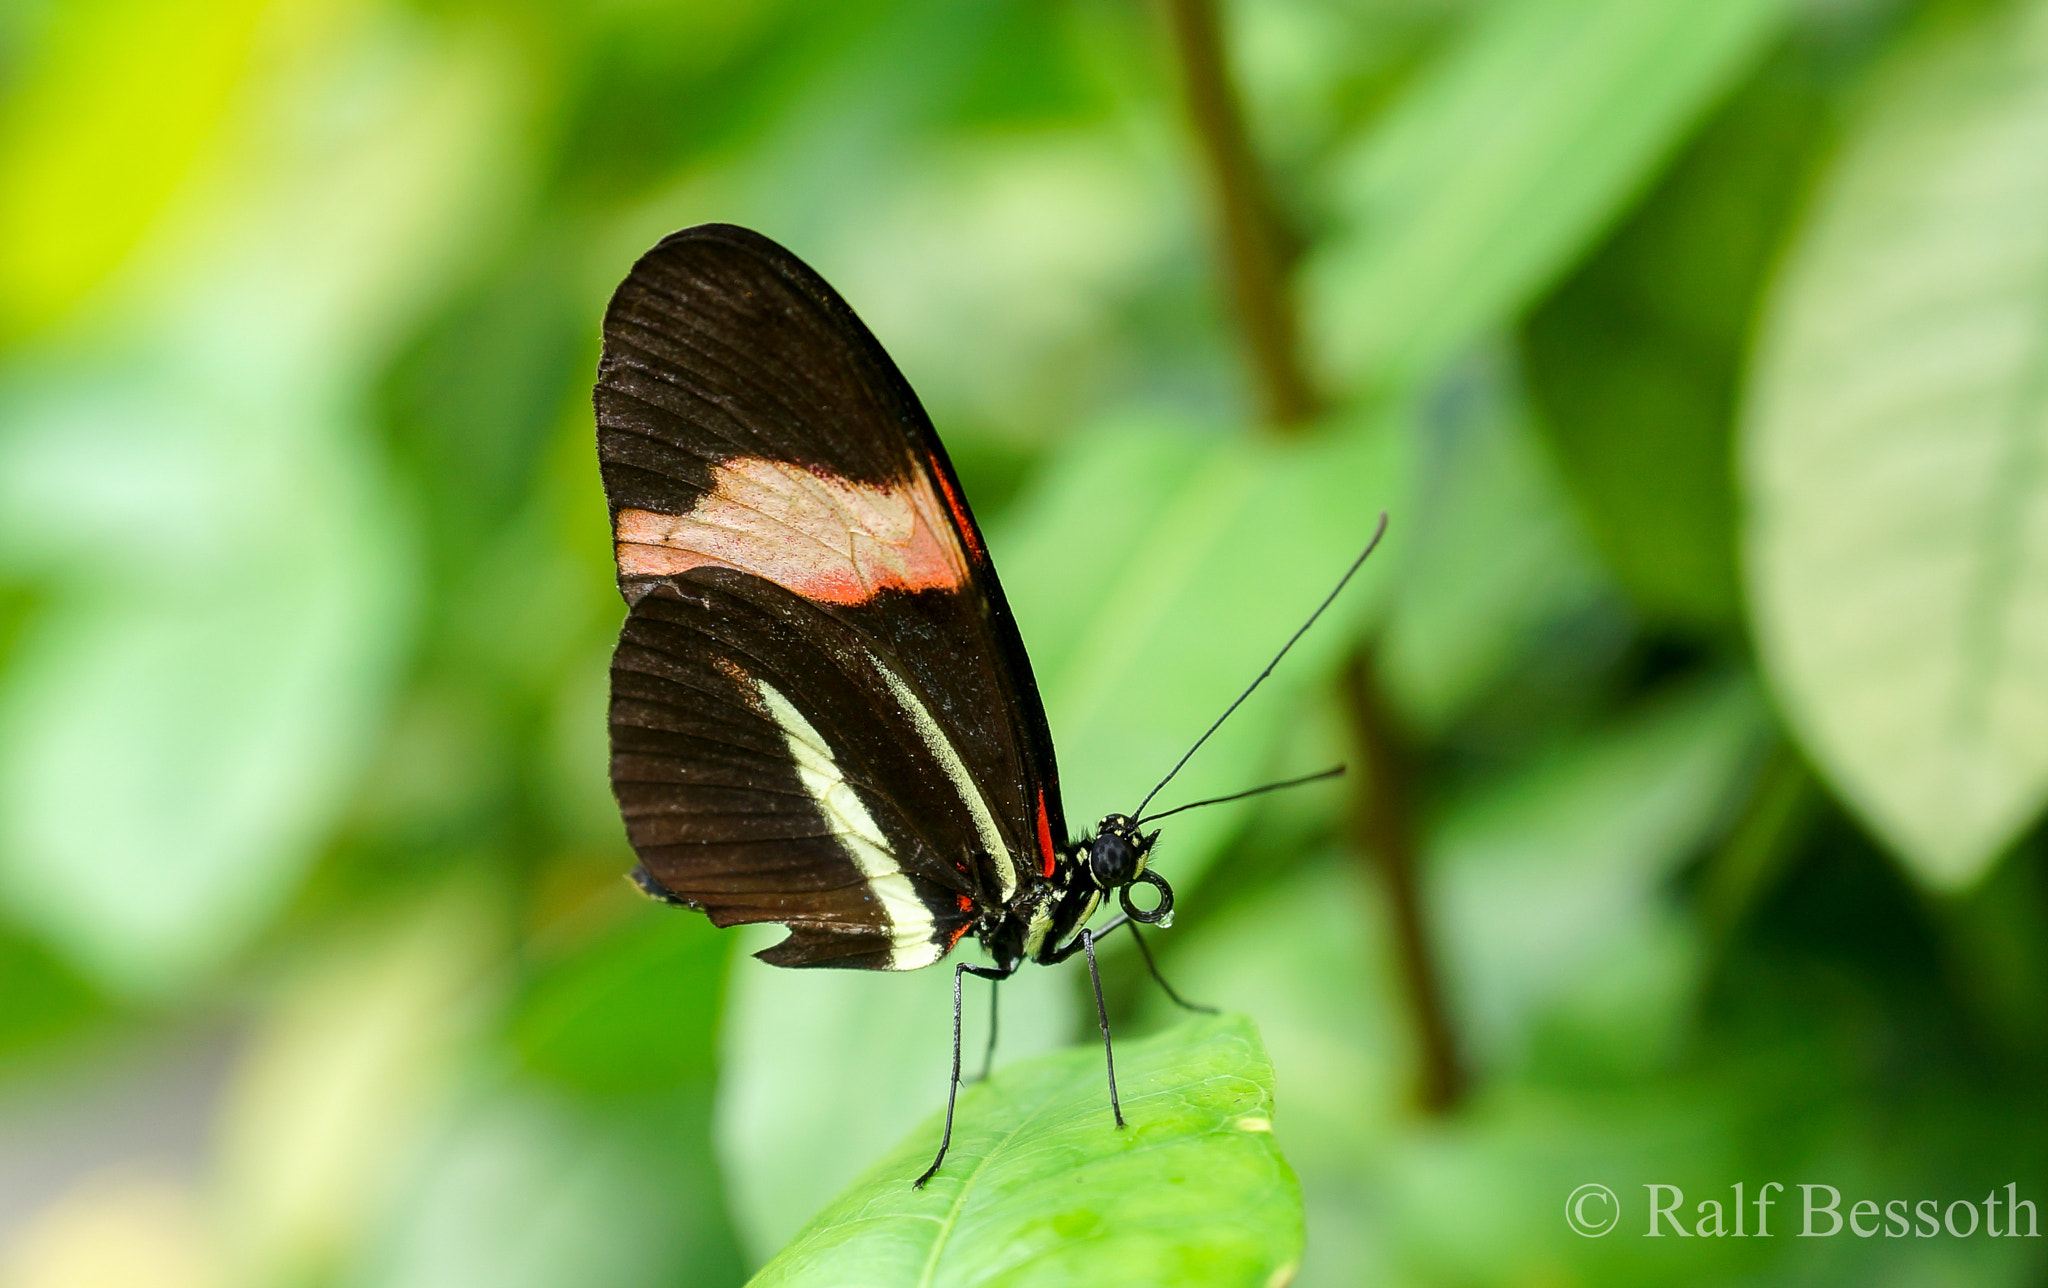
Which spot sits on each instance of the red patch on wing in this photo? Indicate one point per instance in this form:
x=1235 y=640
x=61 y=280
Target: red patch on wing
x=824 y=538
x=953 y=940
x=1045 y=851
x=966 y=903
x=961 y=519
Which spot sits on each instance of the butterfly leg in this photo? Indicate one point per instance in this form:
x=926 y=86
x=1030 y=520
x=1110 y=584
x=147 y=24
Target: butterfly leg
x=1145 y=951
x=1102 y=1014
x=1084 y=941
x=953 y=1088
x=988 y=1056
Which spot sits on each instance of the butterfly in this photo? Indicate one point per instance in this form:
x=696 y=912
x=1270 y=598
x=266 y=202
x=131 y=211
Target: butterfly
x=822 y=713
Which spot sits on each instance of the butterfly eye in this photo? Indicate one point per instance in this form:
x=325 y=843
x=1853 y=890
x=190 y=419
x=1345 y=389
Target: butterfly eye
x=1112 y=860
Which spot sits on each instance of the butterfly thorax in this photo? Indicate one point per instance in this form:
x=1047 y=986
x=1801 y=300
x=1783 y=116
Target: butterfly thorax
x=1041 y=921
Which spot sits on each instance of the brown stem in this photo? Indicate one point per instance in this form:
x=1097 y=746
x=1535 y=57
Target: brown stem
x=1256 y=253
x=1383 y=818
x=1255 y=244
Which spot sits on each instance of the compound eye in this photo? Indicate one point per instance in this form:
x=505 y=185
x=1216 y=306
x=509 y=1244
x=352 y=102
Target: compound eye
x=1112 y=861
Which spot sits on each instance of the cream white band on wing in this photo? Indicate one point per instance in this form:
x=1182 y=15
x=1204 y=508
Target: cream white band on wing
x=911 y=929
x=964 y=785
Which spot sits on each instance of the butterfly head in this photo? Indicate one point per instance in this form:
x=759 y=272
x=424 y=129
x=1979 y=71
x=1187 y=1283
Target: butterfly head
x=1114 y=859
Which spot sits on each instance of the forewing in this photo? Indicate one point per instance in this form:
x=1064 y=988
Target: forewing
x=783 y=512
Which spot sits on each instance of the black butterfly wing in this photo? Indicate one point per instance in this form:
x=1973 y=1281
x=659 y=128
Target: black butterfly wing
x=822 y=713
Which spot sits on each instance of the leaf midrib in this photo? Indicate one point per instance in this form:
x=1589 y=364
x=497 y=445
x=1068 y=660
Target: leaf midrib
x=946 y=1224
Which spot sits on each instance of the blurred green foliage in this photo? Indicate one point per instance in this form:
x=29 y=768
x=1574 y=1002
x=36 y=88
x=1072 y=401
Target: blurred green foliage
x=1696 y=349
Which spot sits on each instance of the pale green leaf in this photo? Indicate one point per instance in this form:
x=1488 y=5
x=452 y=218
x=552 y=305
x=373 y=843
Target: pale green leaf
x=1155 y=571
x=520 y=1191
x=1895 y=455
x=581 y=1159
x=1500 y=164
x=1062 y=229
x=98 y=134
x=177 y=728
x=1041 y=1189
x=194 y=492
x=344 y=1065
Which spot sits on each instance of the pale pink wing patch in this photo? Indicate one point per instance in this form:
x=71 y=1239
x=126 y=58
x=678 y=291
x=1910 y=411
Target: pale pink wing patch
x=825 y=539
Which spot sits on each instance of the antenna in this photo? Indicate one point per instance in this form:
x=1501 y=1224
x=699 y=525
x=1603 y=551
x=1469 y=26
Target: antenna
x=1328 y=599
x=1331 y=772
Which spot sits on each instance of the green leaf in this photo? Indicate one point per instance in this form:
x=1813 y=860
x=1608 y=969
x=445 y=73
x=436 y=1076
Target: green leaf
x=820 y=1070
x=1497 y=168
x=1634 y=363
x=1494 y=558
x=1311 y=961
x=1895 y=455
x=1155 y=570
x=632 y=1013
x=1040 y=1189
x=1548 y=884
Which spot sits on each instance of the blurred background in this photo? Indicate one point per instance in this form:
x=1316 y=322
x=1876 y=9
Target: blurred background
x=1696 y=704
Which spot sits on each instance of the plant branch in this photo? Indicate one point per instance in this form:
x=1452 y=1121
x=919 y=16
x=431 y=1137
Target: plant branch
x=1383 y=820
x=1256 y=248
x=1256 y=252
